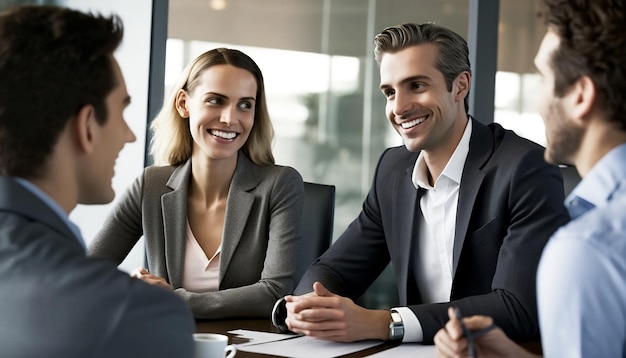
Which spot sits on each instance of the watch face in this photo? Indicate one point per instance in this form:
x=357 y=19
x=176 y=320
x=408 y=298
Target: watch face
x=395 y=316
x=396 y=327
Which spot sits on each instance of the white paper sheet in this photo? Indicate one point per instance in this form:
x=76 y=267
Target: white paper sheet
x=307 y=347
x=412 y=350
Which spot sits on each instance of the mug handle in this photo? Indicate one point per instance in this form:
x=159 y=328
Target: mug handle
x=230 y=351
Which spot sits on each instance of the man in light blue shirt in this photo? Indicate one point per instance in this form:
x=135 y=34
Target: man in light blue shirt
x=581 y=279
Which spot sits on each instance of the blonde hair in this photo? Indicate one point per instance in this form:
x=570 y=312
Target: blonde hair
x=172 y=142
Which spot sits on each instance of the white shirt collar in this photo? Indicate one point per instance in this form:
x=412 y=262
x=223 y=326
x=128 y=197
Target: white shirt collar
x=453 y=169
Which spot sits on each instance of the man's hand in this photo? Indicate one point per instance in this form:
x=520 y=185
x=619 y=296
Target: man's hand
x=450 y=341
x=324 y=315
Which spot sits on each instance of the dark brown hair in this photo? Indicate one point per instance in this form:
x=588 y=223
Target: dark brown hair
x=53 y=61
x=452 y=56
x=593 y=44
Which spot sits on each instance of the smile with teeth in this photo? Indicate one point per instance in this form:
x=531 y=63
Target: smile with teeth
x=222 y=134
x=413 y=123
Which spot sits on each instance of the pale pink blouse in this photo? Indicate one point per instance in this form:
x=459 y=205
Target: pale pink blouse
x=200 y=274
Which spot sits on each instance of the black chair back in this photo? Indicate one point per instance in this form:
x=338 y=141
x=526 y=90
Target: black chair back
x=316 y=227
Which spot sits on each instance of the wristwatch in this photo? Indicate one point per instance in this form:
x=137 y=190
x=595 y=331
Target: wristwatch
x=396 y=327
x=279 y=314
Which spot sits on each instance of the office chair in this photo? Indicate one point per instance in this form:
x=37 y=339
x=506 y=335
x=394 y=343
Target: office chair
x=316 y=228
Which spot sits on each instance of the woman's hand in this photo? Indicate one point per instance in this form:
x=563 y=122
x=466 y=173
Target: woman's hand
x=145 y=276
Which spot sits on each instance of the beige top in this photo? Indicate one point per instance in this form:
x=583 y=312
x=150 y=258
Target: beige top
x=200 y=273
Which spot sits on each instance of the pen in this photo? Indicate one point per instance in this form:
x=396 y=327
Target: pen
x=471 y=335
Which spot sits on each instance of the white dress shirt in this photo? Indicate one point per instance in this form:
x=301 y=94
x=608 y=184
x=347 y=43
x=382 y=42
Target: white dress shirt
x=436 y=235
x=200 y=274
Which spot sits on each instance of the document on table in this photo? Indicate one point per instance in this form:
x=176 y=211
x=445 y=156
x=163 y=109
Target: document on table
x=412 y=350
x=297 y=346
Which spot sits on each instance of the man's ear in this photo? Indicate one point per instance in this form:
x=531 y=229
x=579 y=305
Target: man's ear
x=461 y=85
x=181 y=103
x=84 y=128
x=583 y=98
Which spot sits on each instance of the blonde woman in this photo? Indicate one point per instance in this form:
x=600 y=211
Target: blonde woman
x=220 y=219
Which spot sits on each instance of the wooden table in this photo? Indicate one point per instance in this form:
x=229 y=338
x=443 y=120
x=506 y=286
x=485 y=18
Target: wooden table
x=264 y=325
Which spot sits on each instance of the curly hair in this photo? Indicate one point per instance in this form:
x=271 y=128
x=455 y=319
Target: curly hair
x=593 y=44
x=453 y=54
x=172 y=141
x=53 y=62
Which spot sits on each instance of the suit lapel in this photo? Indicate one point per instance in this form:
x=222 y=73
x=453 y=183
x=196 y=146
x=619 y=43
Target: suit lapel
x=238 y=208
x=406 y=220
x=480 y=150
x=175 y=222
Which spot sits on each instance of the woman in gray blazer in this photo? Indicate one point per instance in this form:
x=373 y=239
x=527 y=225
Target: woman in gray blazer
x=219 y=218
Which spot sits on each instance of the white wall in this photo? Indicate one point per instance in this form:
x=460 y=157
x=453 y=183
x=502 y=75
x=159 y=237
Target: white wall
x=134 y=58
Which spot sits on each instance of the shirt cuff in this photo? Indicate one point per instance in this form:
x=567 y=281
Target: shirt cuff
x=412 y=327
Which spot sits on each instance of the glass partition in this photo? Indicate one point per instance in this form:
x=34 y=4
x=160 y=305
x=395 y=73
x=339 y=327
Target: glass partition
x=519 y=34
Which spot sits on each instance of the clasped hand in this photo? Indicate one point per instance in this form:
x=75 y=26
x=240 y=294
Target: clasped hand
x=325 y=315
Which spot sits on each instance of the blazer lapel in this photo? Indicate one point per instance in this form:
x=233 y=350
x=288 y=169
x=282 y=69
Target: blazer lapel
x=238 y=208
x=175 y=222
x=480 y=150
x=407 y=226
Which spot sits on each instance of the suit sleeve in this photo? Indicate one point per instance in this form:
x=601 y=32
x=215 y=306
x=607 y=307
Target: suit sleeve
x=534 y=210
x=143 y=320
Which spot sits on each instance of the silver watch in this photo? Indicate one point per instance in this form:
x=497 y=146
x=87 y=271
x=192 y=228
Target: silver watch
x=396 y=327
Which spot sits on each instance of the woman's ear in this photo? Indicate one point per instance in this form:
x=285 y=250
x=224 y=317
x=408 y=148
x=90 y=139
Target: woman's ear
x=181 y=103
x=84 y=129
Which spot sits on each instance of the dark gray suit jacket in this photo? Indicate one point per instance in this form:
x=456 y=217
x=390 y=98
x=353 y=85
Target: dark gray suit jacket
x=261 y=233
x=510 y=202
x=57 y=303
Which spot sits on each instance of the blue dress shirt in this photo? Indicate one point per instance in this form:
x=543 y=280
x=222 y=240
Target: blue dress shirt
x=581 y=283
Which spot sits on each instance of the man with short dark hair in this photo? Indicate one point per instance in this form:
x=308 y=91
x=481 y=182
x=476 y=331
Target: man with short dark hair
x=62 y=97
x=581 y=280
x=462 y=210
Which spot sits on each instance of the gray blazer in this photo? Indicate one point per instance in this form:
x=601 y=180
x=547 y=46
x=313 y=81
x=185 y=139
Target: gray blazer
x=57 y=303
x=261 y=233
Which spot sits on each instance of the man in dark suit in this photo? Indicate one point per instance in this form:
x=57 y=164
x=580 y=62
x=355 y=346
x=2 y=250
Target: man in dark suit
x=62 y=97
x=462 y=210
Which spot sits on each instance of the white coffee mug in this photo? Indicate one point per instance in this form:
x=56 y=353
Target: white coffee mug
x=212 y=345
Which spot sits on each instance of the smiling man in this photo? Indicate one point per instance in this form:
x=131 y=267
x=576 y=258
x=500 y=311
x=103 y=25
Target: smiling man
x=462 y=210
x=581 y=280
x=62 y=98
